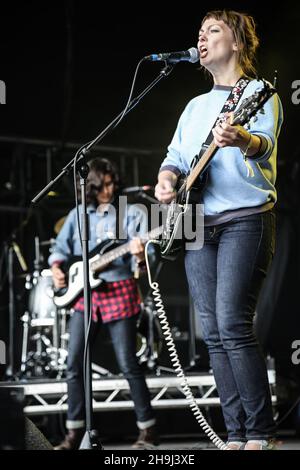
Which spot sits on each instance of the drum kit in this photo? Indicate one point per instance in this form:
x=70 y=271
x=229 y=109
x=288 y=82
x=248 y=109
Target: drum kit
x=45 y=327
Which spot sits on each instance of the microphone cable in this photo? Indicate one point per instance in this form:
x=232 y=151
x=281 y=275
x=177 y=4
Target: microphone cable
x=175 y=359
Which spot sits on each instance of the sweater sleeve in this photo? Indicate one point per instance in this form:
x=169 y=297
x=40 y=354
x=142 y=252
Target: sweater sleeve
x=267 y=125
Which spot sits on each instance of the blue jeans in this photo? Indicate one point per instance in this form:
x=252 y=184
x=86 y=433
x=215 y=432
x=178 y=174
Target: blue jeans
x=123 y=335
x=225 y=278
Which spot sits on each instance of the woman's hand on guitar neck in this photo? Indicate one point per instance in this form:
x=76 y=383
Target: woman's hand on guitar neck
x=227 y=135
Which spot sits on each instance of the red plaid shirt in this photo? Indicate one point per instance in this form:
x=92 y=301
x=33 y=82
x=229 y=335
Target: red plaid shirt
x=113 y=301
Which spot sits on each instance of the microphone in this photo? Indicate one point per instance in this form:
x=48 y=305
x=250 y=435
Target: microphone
x=136 y=189
x=191 y=55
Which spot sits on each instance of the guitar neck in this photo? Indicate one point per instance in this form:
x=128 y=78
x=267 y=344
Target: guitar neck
x=201 y=165
x=122 y=250
x=249 y=108
x=110 y=257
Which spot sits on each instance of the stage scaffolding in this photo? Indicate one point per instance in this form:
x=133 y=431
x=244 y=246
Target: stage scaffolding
x=111 y=394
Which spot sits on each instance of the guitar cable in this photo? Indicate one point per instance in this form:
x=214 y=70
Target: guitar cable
x=162 y=316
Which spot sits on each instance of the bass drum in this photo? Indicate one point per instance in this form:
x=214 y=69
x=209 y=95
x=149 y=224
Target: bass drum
x=41 y=307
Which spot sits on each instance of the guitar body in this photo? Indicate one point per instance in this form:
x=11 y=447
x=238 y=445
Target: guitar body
x=74 y=267
x=179 y=209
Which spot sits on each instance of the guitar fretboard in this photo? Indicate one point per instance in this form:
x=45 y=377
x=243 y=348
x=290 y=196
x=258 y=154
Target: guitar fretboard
x=122 y=250
x=201 y=165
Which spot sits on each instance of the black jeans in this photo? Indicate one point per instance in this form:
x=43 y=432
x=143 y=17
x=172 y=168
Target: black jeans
x=123 y=335
x=225 y=278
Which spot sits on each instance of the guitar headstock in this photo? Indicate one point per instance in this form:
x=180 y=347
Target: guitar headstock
x=251 y=105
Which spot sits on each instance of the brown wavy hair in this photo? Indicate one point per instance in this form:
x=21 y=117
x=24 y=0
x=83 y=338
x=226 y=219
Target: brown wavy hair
x=244 y=31
x=100 y=167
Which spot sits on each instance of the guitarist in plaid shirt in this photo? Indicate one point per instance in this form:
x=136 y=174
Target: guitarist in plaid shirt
x=115 y=302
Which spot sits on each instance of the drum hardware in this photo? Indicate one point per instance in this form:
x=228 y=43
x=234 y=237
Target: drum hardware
x=44 y=346
x=47 y=242
x=45 y=338
x=98 y=371
x=150 y=332
x=45 y=332
x=149 y=336
x=12 y=252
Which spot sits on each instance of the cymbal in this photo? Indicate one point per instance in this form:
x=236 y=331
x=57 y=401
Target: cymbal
x=59 y=224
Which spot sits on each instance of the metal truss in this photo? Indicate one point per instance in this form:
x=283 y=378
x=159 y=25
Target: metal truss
x=113 y=393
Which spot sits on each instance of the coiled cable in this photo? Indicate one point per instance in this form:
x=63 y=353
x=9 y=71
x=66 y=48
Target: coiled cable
x=175 y=359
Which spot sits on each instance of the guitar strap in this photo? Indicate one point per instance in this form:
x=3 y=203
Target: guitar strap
x=228 y=107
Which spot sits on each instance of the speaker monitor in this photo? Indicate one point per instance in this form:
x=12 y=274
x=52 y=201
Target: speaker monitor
x=17 y=432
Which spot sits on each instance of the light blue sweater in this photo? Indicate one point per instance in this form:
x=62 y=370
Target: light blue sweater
x=230 y=187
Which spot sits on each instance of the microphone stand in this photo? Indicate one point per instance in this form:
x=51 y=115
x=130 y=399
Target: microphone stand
x=12 y=251
x=10 y=372
x=90 y=440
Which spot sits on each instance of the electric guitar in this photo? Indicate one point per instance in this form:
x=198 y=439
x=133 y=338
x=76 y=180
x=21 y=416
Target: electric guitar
x=99 y=259
x=192 y=185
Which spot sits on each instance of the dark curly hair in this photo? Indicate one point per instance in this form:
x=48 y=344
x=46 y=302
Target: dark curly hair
x=244 y=31
x=99 y=167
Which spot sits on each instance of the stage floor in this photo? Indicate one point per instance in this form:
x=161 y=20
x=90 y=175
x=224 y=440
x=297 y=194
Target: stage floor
x=191 y=443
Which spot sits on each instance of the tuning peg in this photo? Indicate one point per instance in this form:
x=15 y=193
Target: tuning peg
x=254 y=118
x=247 y=126
x=262 y=111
